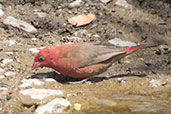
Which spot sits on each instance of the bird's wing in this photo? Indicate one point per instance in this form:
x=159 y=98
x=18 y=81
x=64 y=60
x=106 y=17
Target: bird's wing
x=89 y=53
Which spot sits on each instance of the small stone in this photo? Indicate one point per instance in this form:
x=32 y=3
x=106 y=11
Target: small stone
x=55 y=106
x=76 y=3
x=40 y=14
x=105 y=1
x=7 y=74
x=6 y=61
x=2 y=70
x=9 y=53
x=31 y=82
x=37 y=96
x=1 y=12
x=34 y=39
x=2 y=76
x=119 y=42
x=77 y=106
x=3 y=89
x=122 y=3
x=75 y=39
x=121 y=80
x=34 y=50
x=163 y=83
x=11 y=42
x=50 y=80
x=155 y=83
x=19 y=24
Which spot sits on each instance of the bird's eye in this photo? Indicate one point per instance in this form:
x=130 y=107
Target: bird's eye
x=41 y=58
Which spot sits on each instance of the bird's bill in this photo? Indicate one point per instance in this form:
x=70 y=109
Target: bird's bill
x=35 y=65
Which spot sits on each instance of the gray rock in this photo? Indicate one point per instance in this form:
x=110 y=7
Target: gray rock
x=38 y=96
x=6 y=61
x=10 y=74
x=119 y=42
x=56 y=106
x=76 y=3
x=122 y=3
x=19 y=24
x=34 y=50
x=105 y=1
x=31 y=82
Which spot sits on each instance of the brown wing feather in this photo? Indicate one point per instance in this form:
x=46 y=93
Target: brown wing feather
x=92 y=53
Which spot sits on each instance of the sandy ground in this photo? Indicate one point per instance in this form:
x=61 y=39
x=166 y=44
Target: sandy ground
x=141 y=22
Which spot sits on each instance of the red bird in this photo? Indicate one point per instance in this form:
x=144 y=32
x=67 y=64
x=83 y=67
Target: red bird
x=82 y=60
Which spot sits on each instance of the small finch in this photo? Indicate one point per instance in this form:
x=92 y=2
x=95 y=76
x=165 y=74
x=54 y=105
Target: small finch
x=82 y=60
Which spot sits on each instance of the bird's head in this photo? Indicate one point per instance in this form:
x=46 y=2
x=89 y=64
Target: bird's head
x=41 y=59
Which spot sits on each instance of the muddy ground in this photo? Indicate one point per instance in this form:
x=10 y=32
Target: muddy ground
x=142 y=21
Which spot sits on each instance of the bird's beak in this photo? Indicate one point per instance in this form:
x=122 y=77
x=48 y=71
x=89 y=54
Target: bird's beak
x=35 y=65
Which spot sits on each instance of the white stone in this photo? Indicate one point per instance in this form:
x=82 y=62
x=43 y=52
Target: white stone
x=40 y=94
x=1 y=12
x=6 y=61
x=2 y=76
x=3 y=89
x=105 y=1
x=40 y=14
x=155 y=83
x=121 y=80
x=76 y=3
x=34 y=50
x=31 y=82
x=2 y=70
x=56 y=106
x=11 y=42
x=34 y=39
x=9 y=53
x=19 y=24
x=50 y=80
x=122 y=3
x=119 y=42
x=10 y=74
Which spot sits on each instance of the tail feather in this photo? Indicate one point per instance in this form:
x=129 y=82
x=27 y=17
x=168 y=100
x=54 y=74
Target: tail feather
x=135 y=48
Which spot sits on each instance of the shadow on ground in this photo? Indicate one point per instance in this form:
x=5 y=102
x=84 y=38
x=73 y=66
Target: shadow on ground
x=69 y=80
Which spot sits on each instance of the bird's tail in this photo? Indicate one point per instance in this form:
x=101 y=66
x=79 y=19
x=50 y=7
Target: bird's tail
x=135 y=48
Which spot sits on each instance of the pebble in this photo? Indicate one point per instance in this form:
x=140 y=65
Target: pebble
x=3 y=89
x=31 y=82
x=19 y=24
x=11 y=42
x=1 y=12
x=50 y=80
x=9 y=53
x=34 y=39
x=2 y=76
x=55 y=106
x=122 y=3
x=2 y=70
x=34 y=50
x=119 y=42
x=40 y=14
x=37 y=96
x=157 y=83
x=76 y=3
x=121 y=80
x=105 y=1
x=7 y=74
x=77 y=106
x=6 y=61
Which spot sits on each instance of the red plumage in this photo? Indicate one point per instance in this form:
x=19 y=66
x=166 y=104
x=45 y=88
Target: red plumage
x=81 y=60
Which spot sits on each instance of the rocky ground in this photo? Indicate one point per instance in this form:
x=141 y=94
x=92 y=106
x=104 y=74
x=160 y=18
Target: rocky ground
x=139 y=83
